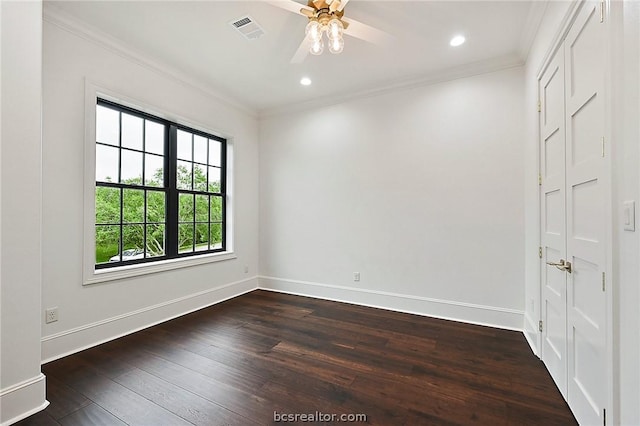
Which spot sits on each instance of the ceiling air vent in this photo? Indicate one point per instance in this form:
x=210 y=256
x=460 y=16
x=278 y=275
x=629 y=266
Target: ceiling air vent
x=249 y=28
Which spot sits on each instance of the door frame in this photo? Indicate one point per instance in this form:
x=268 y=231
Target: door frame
x=567 y=22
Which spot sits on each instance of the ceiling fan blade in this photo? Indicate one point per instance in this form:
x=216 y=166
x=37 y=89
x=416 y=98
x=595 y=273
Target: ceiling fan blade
x=290 y=6
x=342 y=4
x=333 y=5
x=309 y=13
x=302 y=52
x=364 y=32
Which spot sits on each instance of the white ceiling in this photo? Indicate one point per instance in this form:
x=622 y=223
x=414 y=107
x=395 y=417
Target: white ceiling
x=195 y=38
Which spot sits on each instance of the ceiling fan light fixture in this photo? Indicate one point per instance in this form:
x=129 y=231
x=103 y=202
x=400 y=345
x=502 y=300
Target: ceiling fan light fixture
x=335 y=28
x=317 y=47
x=313 y=30
x=336 y=45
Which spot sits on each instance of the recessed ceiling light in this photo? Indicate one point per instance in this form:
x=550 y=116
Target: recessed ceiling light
x=305 y=81
x=457 y=41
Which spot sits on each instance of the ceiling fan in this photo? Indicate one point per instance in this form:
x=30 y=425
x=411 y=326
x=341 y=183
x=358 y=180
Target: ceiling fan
x=327 y=17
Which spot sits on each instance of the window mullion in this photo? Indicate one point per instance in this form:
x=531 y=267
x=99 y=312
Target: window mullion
x=223 y=192
x=171 y=166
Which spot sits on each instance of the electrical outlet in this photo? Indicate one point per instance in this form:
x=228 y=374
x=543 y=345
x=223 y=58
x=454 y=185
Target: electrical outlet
x=51 y=315
x=246 y=269
x=356 y=276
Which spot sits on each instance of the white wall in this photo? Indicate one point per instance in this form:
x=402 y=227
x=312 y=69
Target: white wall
x=22 y=385
x=626 y=186
x=89 y=314
x=419 y=190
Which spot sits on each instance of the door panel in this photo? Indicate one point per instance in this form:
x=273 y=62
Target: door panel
x=555 y=339
x=587 y=145
x=586 y=303
x=585 y=227
x=554 y=223
x=587 y=292
x=553 y=155
x=553 y=218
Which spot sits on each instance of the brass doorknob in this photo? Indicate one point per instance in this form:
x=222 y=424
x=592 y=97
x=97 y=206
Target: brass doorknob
x=562 y=265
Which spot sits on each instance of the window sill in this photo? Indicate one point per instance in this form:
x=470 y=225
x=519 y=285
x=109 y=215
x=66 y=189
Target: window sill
x=130 y=271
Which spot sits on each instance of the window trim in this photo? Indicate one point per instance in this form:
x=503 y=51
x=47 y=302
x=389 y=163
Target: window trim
x=91 y=274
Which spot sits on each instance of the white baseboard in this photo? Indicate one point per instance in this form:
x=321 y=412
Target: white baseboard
x=509 y=319
x=19 y=401
x=77 y=339
x=531 y=334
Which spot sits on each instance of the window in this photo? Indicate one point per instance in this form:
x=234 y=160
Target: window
x=160 y=188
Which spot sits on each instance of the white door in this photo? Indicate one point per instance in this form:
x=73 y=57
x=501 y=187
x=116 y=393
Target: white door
x=586 y=219
x=573 y=220
x=553 y=221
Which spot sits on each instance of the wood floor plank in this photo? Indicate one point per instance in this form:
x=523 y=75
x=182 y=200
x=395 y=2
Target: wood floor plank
x=180 y=355
x=299 y=394
x=39 y=419
x=254 y=365
x=240 y=361
x=243 y=403
x=93 y=415
x=63 y=400
x=189 y=406
x=130 y=407
x=462 y=407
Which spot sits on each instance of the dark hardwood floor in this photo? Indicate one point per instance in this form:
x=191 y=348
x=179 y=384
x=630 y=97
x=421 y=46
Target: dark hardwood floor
x=238 y=362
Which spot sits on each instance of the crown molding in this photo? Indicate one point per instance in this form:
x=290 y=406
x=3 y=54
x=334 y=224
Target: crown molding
x=56 y=16
x=530 y=29
x=441 y=76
